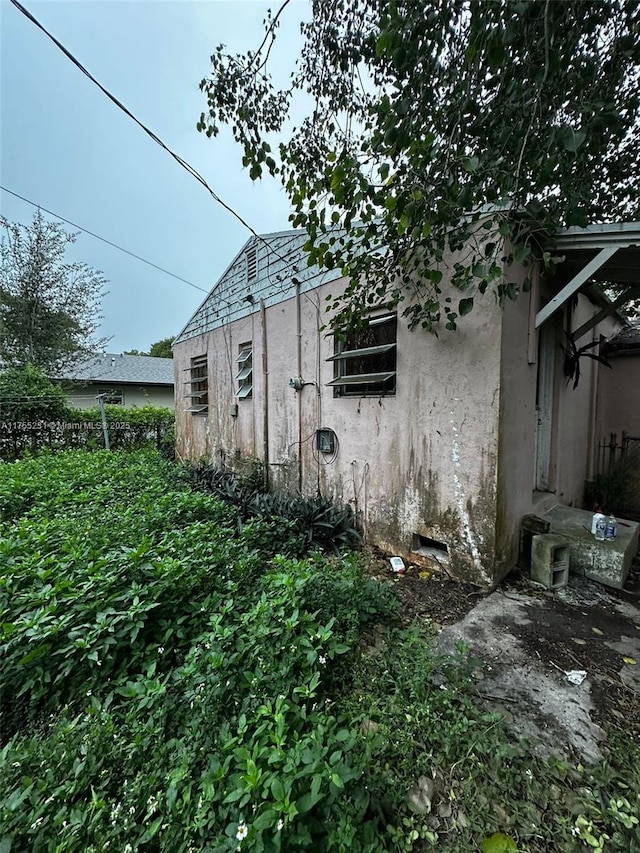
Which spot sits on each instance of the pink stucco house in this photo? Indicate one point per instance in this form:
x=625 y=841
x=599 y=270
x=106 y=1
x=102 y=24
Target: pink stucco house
x=441 y=444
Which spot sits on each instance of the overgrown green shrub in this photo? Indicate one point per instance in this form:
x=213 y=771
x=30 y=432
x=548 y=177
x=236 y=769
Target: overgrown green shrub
x=63 y=428
x=171 y=686
x=27 y=395
x=166 y=675
x=315 y=523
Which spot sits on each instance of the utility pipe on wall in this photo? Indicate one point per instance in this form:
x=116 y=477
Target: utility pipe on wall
x=265 y=396
x=593 y=414
x=299 y=373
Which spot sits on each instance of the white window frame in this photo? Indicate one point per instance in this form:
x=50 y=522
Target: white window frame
x=244 y=377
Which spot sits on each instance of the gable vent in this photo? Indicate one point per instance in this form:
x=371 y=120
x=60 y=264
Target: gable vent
x=252 y=263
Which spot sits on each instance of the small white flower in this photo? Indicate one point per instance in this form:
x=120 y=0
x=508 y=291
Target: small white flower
x=88 y=693
x=99 y=662
x=280 y=824
x=242 y=831
x=127 y=848
x=322 y=659
x=160 y=650
x=575 y=831
x=37 y=823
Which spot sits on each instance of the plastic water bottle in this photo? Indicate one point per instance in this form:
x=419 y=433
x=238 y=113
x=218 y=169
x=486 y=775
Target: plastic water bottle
x=611 y=528
x=598 y=515
x=601 y=526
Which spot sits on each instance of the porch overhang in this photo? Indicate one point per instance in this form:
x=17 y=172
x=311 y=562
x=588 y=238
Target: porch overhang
x=599 y=253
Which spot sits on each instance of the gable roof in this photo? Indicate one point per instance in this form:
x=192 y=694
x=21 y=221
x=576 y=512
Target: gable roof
x=124 y=369
x=279 y=258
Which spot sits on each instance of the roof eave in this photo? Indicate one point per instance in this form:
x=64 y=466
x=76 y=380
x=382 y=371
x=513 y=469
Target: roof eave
x=620 y=234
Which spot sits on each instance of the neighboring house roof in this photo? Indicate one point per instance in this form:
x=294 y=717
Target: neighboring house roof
x=266 y=275
x=122 y=369
x=627 y=341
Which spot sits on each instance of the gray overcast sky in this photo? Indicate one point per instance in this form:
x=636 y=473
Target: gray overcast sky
x=64 y=145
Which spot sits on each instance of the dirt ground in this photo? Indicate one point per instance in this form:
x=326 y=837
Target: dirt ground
x=529 y=639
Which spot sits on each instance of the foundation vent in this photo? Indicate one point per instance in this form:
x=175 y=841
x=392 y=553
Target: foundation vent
x=432 y=548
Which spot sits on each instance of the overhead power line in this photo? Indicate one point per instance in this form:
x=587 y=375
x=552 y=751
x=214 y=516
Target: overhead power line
x=104 y=240
x=190 y=169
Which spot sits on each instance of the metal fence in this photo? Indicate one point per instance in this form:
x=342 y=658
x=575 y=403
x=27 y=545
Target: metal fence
x=617 y=480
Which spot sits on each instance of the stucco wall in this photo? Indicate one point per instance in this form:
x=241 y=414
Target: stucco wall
x=516 y=470
x=420 y=463
x=618 y=406
x=573 y=428
x=83 y=396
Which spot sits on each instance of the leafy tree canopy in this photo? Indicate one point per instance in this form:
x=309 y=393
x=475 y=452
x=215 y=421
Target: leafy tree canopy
x=49 y=309
x=429 y=124
x=161 y=349
x=26 y=394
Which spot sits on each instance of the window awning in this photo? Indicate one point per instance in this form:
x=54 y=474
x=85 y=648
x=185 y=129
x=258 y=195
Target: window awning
x=361 y=353
x=244 y=373
x=362 y=379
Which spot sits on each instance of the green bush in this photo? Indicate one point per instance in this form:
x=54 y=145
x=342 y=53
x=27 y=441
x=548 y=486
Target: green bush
x=63 y=428
x=27 y=395
x=168 y=676
x=174 y=682
x=314 y=523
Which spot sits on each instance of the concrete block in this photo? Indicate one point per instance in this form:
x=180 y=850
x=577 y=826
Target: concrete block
x=550 y=560
x=530 y=526
x=607 y=562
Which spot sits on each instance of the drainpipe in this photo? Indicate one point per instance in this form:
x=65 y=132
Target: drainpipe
x=318 y=387
x=299 y=373
x=265 y=396
x=595 y=374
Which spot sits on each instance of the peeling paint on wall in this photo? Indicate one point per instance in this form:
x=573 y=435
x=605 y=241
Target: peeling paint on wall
x=461 y=501
x=394 y=462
